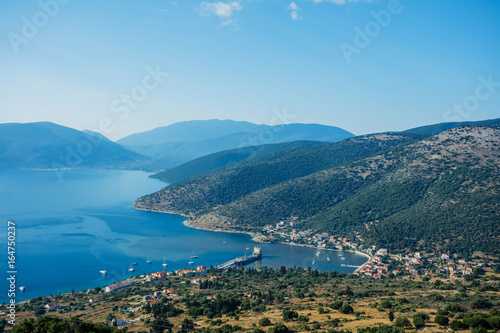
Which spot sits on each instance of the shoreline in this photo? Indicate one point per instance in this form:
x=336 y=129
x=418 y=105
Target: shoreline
x=255 y=237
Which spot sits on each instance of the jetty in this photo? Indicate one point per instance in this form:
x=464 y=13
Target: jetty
x=242 y=261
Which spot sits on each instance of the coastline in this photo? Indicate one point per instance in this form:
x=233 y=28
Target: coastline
x=255 y=237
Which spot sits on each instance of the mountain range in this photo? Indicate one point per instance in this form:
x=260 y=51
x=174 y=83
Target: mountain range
x=185 y=141
x=45 y=145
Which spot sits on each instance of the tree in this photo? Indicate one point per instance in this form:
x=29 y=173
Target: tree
x=457 y=325
x=303 y=319
x=418 y=322
x=187 y=326
x=278 y=328
x=441 y=320
x=391 y=316
x=402 y=322
x=160 y=325
x=289 y=315
x=265 y=322
x=346 y=309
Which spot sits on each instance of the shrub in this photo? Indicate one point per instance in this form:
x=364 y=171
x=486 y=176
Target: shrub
x=457 y=325
x=418 y=322
x=264 y=322
x=278 y=328
x=441 y=320
x=346 y=309
x=402 y=322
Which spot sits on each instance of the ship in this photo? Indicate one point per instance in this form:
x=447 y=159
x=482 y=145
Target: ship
x=245 y=260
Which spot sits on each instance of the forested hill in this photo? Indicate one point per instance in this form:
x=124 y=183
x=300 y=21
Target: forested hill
x=227 y=158
x=435 y=193
x=199 y=195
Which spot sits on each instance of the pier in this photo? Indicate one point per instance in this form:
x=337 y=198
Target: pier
x=241 y=261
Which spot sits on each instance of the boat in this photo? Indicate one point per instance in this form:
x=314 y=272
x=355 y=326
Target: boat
x=191 y=262
x=103 y=272
x=131 y=269
x=134 y=263
x=148 y=261
x=256 y=255
x=343 y=265
x=342 y=258
x=314 y=261
x=318 y=253
x=194 y=256
x=164 y=263
x=247 y=248
x=328 y=259
x=225 y=241
x=22 y=288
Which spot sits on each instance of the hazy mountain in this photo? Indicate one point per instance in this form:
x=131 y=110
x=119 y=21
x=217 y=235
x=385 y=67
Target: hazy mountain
x=187 y=131
x=186 y=141
x=47 y=145
x=436 y=193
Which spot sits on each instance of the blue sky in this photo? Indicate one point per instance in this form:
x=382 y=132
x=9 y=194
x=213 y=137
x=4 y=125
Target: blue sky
x=365 y=66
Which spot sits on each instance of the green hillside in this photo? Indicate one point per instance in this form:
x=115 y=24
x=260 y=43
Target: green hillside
x=225 y=158
x=435 y=193
x=225 y=186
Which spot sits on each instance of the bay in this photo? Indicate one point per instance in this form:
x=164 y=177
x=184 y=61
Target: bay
x=69 y=228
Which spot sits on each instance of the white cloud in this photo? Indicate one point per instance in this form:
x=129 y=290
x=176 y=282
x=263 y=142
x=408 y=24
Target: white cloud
x=294 y=11
x=224 y=10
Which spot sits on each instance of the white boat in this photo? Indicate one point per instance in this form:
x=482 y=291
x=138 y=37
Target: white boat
x=148 y=261
x=194 y=256
x=314 y=261
x=131 y=269
x=191 y=262
x=164 y=263
x=225 y=241
x=327 y=259
x=342 y=258
x=134 y=263
x=22 y=288
x=103 y=272
x=343 y=265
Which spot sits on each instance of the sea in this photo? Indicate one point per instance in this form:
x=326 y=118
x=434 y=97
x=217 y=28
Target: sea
x=71 y=224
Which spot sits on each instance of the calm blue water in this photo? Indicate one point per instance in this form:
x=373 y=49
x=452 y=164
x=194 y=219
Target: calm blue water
x=69 y=230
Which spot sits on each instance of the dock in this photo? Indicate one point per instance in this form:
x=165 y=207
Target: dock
x=242 y=261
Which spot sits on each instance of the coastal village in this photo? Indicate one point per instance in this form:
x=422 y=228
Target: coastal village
x=381 y=263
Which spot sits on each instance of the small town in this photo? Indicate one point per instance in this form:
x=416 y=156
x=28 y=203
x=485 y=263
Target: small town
x=381 y=263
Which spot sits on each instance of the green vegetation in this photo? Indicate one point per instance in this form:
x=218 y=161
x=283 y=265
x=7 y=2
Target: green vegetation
x=440 y=193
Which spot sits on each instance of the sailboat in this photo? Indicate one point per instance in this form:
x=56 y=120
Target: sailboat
x=225 y=241
x=131 y=269
x=164 y=263
x=148 y=261
x=194 y=256
x=191 y=262
x=328 y=259
x=103 y=272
